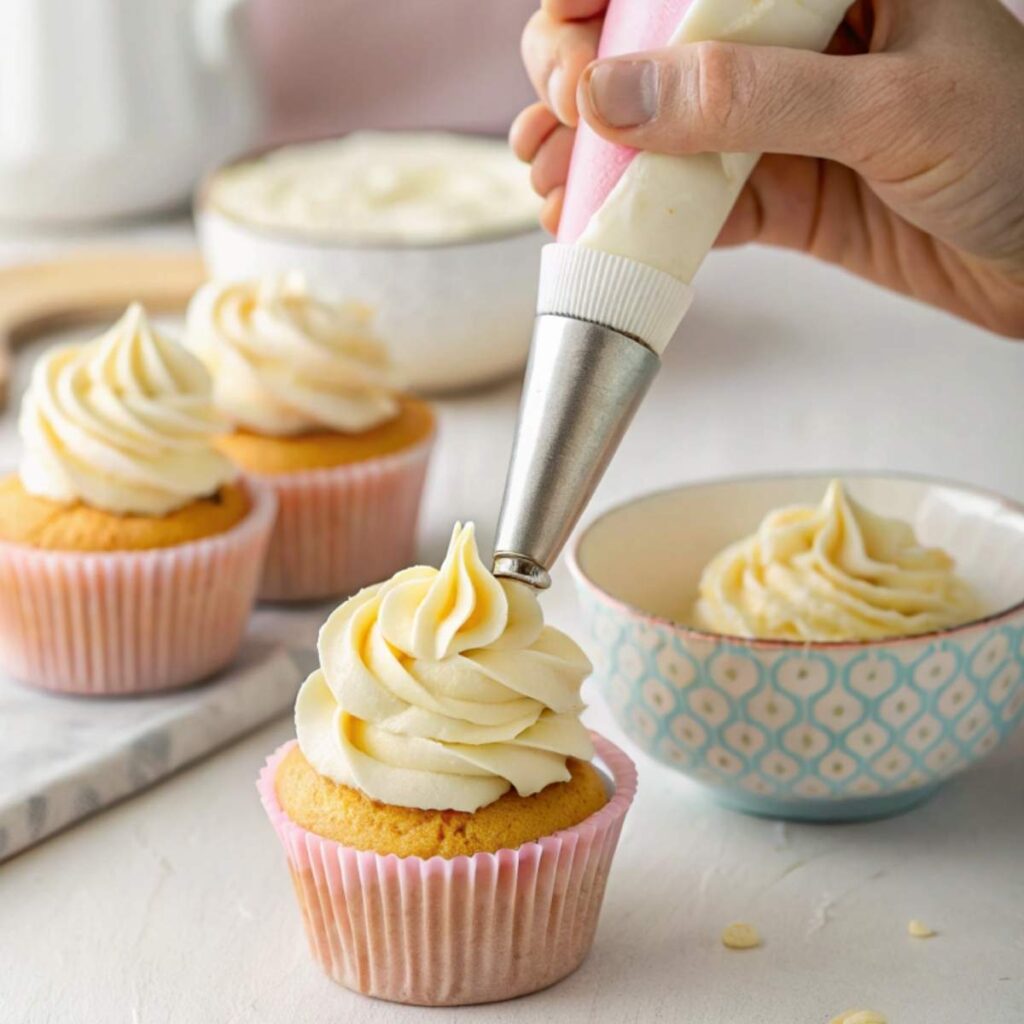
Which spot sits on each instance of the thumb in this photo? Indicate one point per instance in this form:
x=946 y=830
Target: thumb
x=720 y=97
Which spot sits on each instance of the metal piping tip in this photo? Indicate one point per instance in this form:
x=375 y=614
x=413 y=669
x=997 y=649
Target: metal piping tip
x=584 y=382
x=519 y=567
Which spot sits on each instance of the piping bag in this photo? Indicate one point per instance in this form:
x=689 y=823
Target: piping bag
x=615 y=285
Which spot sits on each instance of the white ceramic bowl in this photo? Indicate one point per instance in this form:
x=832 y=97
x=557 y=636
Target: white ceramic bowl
x=819 y=730
x=454 y=314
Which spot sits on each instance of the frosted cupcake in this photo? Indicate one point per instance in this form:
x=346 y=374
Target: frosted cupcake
x=312 y=395
x=448 y=837
x=129 y=552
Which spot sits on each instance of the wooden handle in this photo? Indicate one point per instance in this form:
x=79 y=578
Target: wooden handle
x=87 y=287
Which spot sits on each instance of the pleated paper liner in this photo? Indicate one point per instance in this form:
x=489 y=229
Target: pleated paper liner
x=131 y=622
x=440 y=932
x=342 y=528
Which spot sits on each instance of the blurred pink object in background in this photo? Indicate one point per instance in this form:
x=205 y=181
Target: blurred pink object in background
x=332 y=65
x=597 y=164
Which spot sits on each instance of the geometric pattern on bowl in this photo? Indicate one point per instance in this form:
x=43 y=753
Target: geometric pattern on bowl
x=837 y=732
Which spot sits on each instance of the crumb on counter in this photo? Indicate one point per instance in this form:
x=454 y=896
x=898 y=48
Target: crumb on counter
x=740 y=936
x=920 y=930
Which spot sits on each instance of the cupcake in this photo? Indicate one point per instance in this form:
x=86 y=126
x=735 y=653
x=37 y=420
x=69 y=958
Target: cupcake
x=448 y=838
x=129 y=551
x=317 y=417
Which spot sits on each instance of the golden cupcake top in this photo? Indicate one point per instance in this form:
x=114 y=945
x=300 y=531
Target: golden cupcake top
x=832 y=572
x=444 y=689
x=58 y=526
x=325 y=449
x=286 y=362
x=125 y=423
x=350 y=817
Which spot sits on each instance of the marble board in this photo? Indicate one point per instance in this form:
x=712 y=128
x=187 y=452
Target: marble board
x=63 y=758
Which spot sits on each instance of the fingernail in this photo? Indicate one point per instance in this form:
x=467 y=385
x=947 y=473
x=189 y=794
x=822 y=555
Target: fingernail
x=624 y=93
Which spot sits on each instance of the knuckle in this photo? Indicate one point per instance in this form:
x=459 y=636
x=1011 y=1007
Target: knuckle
x=534 y=46
x=535 y=29
x=550 y=164
x=527 y=40
x=538 y=177
x=724 y=83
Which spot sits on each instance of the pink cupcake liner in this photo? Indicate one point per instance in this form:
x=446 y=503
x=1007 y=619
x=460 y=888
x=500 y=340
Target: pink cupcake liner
x=342 y=528
x=443 y=932
x=131 y=622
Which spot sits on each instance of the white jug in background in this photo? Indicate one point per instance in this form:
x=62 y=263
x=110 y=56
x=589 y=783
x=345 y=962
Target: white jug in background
x=116 y=107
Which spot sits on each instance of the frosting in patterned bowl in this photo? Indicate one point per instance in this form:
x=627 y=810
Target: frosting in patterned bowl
x=821 y=731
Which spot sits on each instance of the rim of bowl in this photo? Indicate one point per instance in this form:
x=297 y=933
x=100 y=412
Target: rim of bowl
x=202 y=205
x=754 y=642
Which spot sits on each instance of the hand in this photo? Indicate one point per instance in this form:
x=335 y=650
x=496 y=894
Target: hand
x=904 y=143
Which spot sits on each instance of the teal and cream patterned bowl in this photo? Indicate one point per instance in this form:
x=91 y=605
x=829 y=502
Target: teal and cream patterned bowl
x=817 y=731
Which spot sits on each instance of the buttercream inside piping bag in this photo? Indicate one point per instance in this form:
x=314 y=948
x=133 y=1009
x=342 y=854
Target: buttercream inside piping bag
x=645 y=221
x=443 y=689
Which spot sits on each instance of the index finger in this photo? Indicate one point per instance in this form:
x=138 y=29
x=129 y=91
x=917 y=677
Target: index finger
x=574 y=10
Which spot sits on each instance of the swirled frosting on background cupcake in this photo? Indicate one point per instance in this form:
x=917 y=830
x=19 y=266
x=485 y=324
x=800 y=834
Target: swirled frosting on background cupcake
x=832 y=572
x=286 y=362
x=125 y=423
x=443 y=689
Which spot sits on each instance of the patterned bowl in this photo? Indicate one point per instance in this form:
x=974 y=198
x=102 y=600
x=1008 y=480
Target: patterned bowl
x=814 y=731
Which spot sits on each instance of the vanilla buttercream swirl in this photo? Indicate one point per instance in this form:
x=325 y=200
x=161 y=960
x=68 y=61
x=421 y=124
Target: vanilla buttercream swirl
x=125 y=423
x=832 y=572
x=443 y=688
x=286 y=362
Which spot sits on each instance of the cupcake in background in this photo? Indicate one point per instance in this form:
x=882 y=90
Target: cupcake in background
x=448 y=837
x=129 y=551
x=318 y=417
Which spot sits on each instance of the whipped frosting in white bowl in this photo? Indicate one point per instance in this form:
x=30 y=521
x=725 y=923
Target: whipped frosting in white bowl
x=382 y=188
x=436 y=232
x=821 y=729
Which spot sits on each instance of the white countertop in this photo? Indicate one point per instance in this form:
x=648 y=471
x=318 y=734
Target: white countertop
x=176 y=906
